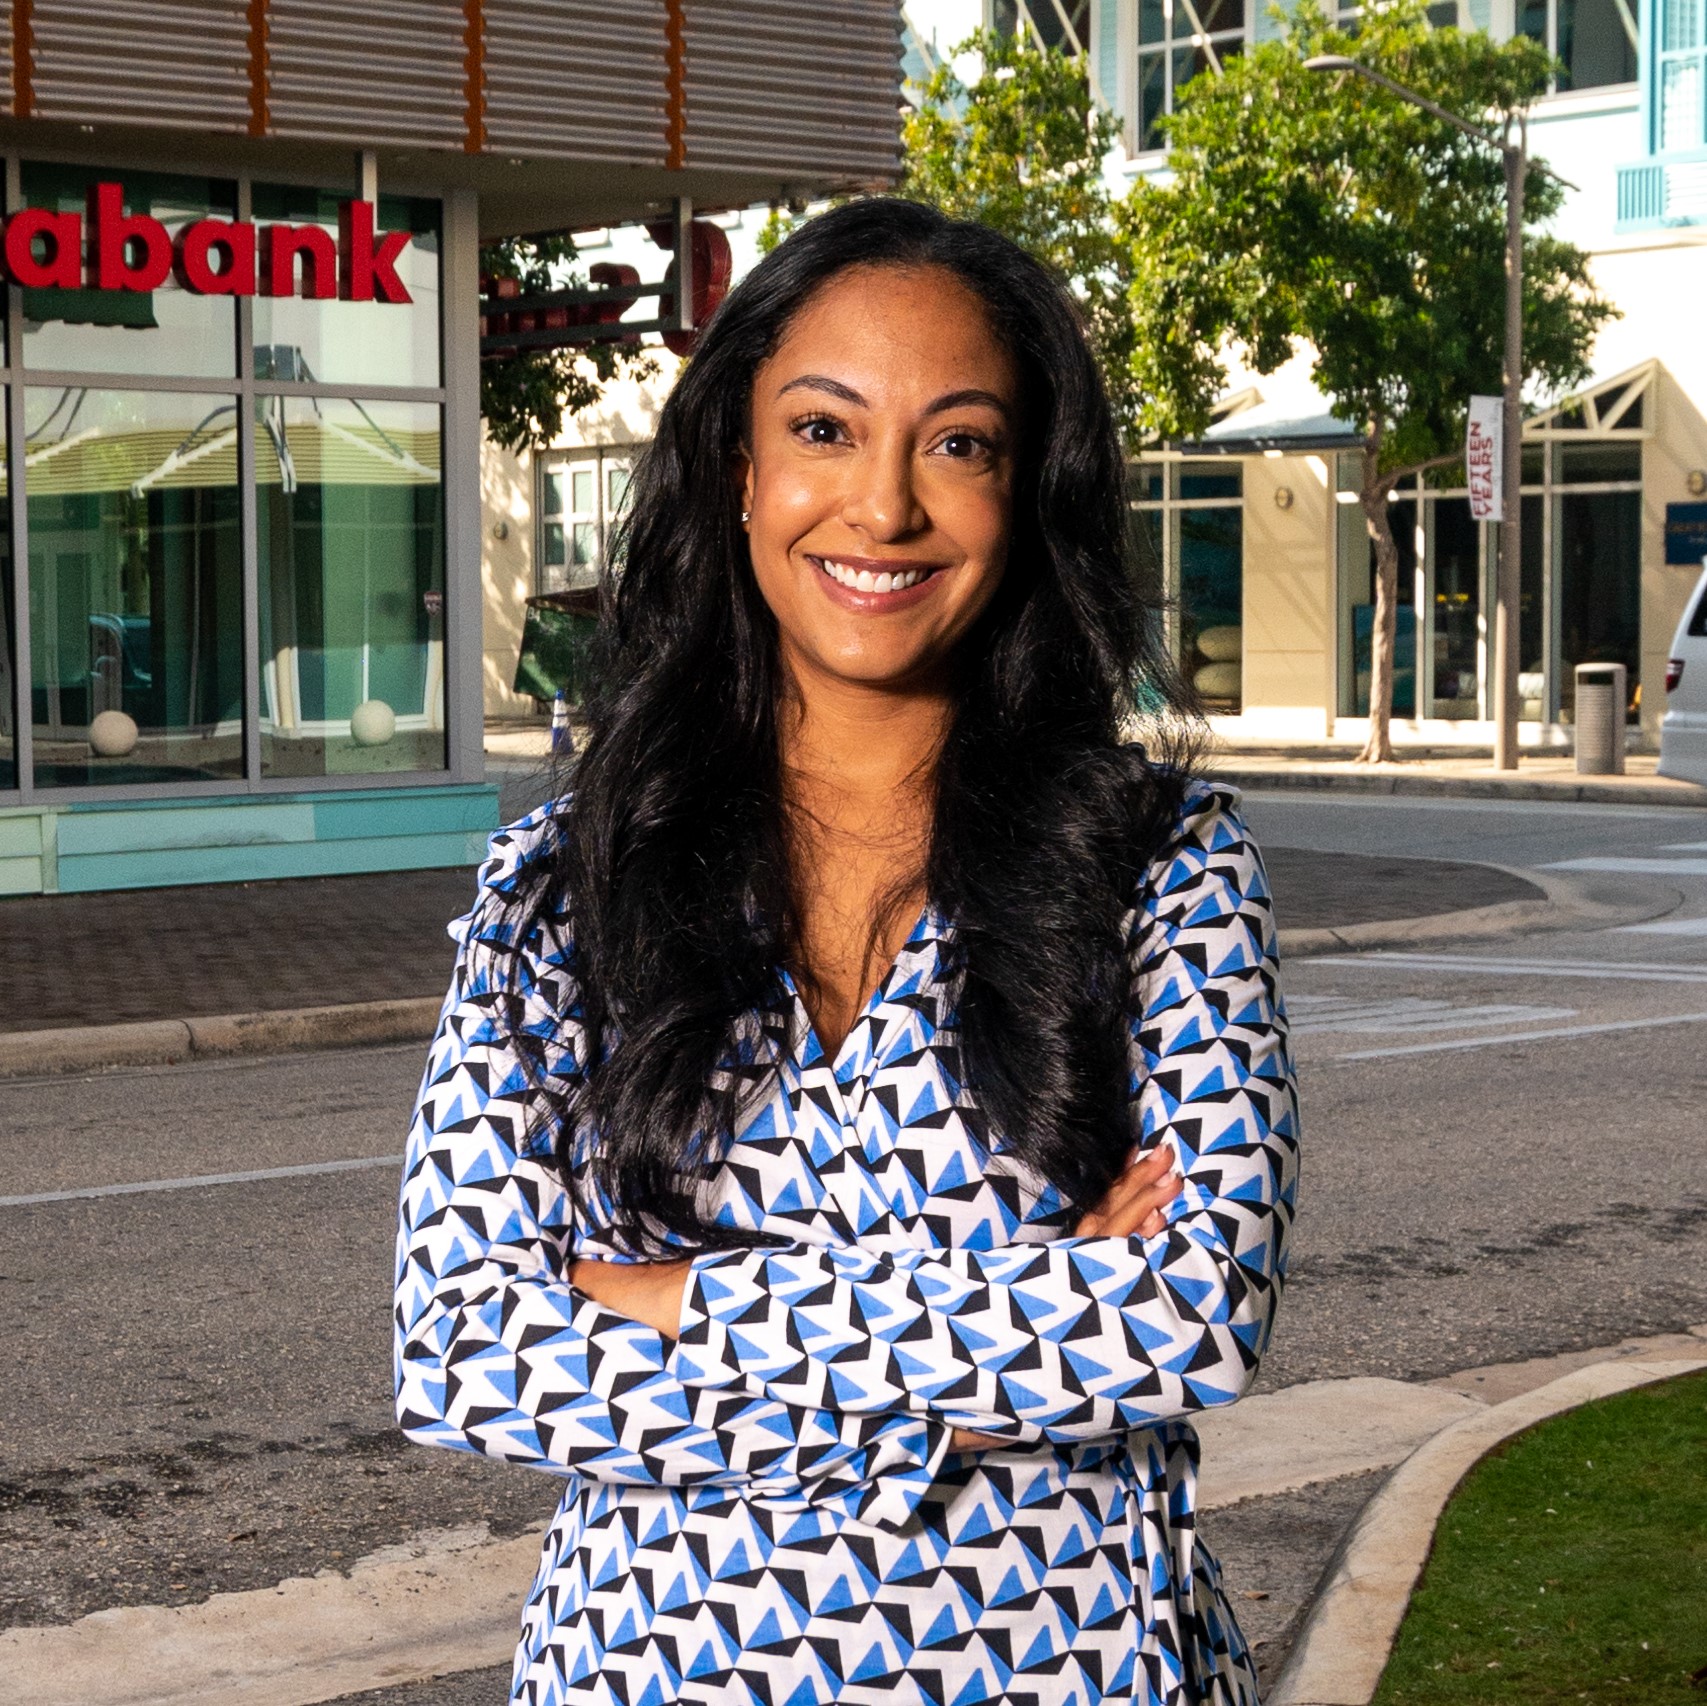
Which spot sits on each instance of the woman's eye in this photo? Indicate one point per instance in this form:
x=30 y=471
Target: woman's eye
x=820 y=430
x=962 y=445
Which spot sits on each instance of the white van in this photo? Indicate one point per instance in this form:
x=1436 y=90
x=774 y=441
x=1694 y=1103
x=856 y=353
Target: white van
x=1683 y=732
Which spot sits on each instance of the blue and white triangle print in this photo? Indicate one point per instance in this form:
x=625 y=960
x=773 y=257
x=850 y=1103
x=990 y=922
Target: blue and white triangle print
x=767 y=1510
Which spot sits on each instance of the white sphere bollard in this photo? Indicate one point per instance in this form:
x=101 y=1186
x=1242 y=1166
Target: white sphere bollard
x=112 y=734
x=372 y=723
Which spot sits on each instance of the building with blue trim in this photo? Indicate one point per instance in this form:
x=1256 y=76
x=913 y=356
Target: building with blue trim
x=240 y=505
x=1255 y=532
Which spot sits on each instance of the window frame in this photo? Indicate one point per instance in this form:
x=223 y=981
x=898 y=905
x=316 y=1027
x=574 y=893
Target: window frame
x=455 y=396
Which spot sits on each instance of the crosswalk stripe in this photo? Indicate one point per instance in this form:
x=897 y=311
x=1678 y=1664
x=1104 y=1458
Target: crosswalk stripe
x=1637 y=971
x=1527 y=1036
x=203 y=1180
x=1633 y=866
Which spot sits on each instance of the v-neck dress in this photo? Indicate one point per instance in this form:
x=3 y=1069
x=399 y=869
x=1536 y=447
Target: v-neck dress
x=767 y=1509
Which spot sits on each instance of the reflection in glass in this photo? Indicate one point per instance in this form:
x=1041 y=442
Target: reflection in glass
x=96 y=331
x=1600 y=585
x=1590 y=464
x=362 y=343
x=8 y=628
x=350 y=515
x=1402 y=517
x=1454 y=545
x=1531 y=621
x=1211 y=605
x=136 y=585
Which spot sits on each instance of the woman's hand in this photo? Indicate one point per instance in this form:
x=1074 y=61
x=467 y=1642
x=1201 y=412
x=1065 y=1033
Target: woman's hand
x=1133 y=1204
x=648 y=1292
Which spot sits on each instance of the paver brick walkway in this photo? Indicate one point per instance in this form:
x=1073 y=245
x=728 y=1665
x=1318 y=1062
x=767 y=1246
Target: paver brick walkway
x=311 y=942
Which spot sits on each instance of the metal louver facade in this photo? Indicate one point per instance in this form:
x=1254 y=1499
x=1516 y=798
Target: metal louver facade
x=177 y=63
x=368 y=71
x=759 y=97
x=578 y=79
x=776 y=85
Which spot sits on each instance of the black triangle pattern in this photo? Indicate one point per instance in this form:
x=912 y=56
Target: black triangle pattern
x=767 y=1510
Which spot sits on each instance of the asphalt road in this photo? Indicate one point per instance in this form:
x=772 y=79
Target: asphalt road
x=1504 y=1158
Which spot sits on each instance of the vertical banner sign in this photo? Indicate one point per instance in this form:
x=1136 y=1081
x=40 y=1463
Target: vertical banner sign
x=1484 y=458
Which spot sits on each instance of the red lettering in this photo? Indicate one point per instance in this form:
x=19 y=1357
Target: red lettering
x=368 y=272
x=280 y=246
x=63 y=233
x=233 y=243
x=112 y=231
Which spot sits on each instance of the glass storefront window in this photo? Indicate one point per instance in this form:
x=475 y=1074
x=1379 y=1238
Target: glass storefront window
x=1600 y=586
x=353 y=343
x=1455 y=573
x=1188 y=542
x=1599 y=463
x=352 y=571
x=136 y=586
x=167 y=330
x=581 y=502
x=8 y=628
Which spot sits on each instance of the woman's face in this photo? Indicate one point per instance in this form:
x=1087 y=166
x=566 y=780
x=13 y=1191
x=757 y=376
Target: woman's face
x=879 y=476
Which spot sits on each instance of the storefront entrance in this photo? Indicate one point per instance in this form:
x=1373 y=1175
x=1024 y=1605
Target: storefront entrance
x=1581 y=583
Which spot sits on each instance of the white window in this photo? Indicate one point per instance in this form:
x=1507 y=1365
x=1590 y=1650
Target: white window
x=582 y=497
x=1679 y=114
x=1595 y=39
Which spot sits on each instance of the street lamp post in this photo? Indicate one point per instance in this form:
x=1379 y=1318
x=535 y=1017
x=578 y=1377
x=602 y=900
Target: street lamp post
x=1508 y=581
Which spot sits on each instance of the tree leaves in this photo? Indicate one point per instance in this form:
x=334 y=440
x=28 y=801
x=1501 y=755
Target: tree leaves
x=1022 y=148
x=1304 y=209
x=524 y=397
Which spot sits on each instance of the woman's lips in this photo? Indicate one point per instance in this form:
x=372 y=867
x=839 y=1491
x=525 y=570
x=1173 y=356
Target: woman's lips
x=872 y=585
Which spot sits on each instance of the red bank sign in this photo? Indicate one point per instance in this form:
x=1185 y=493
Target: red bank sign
x=114 y=250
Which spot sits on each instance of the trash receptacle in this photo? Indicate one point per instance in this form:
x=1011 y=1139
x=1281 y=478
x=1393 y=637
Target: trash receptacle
x=1602 y=690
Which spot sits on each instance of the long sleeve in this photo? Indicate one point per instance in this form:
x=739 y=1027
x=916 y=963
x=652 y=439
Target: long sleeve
x=1075 y=1339
x=496 y=1353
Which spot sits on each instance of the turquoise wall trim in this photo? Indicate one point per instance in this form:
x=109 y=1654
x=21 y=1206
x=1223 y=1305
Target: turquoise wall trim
x=82 y=847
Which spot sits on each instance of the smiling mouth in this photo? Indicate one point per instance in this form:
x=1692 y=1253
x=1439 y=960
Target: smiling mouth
x=857 y=576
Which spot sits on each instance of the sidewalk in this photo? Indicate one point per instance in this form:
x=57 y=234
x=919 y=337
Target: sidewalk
x=181 y=953
x=1539 y=776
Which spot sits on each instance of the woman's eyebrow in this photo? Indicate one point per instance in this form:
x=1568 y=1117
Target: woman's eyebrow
x=819 y=382
x=965 y=399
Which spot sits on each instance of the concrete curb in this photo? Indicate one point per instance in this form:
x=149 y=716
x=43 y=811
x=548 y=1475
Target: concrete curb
x=451 y=1603
x=166 y=1042
x=1565 y=902
x=1348 y=1636
x=1257 y=779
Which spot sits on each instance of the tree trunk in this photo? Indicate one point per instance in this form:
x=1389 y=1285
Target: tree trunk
x=1372 y=495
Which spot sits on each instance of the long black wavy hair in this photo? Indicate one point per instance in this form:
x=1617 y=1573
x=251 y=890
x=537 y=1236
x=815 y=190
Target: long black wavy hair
x=673 y=860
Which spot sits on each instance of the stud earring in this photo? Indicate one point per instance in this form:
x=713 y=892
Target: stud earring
x=746 y=516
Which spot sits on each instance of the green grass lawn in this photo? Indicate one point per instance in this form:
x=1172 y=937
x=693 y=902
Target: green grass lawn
x=1571 y=1566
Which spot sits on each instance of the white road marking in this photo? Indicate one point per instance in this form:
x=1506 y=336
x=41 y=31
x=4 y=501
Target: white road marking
x=1640 y=971
x=1666 y=927
x=1683 y=846
x=1528 y=1036
x=1634 y=867
x=1311 y=1013
x=202 y=1181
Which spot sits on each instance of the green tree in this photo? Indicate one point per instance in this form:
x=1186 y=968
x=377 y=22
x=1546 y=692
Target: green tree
x=1308 y=210
x=524 y=396
x=1022 y=148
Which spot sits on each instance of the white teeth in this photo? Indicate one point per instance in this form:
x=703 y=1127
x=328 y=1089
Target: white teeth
x=863 y=580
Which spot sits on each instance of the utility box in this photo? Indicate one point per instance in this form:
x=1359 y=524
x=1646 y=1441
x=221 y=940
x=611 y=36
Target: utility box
x=1602 y=693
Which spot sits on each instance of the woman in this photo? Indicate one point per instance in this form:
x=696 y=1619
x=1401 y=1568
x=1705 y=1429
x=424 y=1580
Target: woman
x=861 y=1128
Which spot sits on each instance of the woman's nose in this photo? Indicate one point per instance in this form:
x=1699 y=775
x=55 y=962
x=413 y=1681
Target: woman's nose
x=882 y=500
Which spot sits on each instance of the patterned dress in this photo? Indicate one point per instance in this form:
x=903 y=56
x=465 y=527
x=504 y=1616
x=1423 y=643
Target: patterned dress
x=767 y=1510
